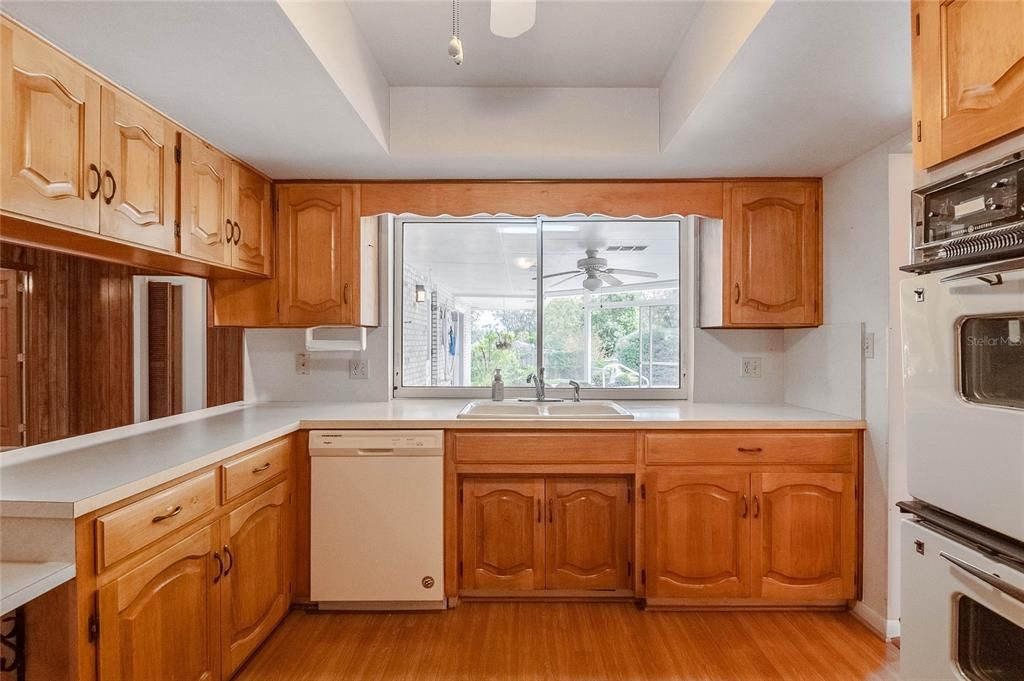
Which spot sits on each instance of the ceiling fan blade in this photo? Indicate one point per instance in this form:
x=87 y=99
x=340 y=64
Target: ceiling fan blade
x=561 y=274
x=512 y=18
x=632 y=273
x=609 y=279
x=559 y=283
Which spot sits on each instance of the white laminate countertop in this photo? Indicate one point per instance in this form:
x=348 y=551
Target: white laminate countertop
x=20 y=582
x=69 y=478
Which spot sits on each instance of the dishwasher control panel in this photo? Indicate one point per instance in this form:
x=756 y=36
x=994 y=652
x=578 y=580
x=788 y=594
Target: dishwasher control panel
x=424 y=442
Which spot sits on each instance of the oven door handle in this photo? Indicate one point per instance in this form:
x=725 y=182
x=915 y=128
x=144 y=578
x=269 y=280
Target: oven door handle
x=985 y=272
x=992 y=580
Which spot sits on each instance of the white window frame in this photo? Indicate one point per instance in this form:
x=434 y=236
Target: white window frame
x=685 y=302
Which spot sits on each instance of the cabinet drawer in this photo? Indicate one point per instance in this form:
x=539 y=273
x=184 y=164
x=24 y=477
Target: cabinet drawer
x=259 y=465
x=128 y=529
x=512 y=447
x=751 y=448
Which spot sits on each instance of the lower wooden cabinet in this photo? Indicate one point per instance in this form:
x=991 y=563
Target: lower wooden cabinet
x=159 y=620
x=804 y=533
x=698 y=535
x=254 y=589
x=735 y=533
x=554 y=533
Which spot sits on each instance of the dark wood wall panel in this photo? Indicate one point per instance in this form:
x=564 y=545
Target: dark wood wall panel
x=224 y=365
x=79 y=343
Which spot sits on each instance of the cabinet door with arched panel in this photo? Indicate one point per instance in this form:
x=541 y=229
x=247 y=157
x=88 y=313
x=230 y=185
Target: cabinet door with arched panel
x=251 y=246
x=502 y=534
x=206 y=226
x=51 y=133
x=698 y=534
x=804 y=536
x=139 y=183
x=588 y=536
x=772 y=240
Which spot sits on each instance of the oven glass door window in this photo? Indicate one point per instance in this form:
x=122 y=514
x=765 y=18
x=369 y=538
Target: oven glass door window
x=992 y=360
x=989 y=647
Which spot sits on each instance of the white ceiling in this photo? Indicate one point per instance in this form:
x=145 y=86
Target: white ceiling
x=497 y=258
x=574 y=43
x=617 y=88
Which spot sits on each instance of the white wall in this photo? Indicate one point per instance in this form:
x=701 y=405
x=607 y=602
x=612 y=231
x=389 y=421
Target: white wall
x=193 y=350
x=857 y=274
x=716 y=373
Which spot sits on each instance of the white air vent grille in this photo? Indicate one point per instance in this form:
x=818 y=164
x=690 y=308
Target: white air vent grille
x=625 y=249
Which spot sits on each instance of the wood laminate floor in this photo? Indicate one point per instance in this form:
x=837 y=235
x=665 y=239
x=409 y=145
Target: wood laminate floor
x=572 y=642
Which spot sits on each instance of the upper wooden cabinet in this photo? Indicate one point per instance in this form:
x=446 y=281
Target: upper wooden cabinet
x=79 y=152
x=968 y=72
x=772 y=254
x=139 y=180
x=252 y=221
x=327 y=265
x=51 y=133
x=206 y=226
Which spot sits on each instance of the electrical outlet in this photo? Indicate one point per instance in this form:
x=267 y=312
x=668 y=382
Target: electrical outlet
x=358 y=369
x=751 y=367
x=302 y=363
x=869 y=345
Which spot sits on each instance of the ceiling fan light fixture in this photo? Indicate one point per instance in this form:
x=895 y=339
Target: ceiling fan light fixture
x=592 y=283
x=512 y=18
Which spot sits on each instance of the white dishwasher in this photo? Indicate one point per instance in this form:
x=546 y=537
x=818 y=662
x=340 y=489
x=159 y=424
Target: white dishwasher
x=377 y=519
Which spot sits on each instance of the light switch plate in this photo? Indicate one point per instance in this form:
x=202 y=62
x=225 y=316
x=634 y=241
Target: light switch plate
x=302 y=363
x=358 y=369
x=751 y=367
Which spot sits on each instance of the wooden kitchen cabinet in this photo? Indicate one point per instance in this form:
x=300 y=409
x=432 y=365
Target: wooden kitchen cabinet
x=772 y=254
x=502 y=534
x=968 y=75
x=327 y=265
x=254 y=589
x=588 y=534
x=159 y=620
x=252 y=221
x=139 y=177
x=698 y=534
x=51 y=133
x=531 y=534
x=206 y=226
x=804 y=535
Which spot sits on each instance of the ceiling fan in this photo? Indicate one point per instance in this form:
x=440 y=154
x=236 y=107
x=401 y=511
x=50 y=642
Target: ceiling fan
x=509 y=19
x=596 y=272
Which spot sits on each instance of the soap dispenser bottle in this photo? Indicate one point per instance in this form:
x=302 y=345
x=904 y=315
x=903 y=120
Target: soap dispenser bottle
x=497 y=387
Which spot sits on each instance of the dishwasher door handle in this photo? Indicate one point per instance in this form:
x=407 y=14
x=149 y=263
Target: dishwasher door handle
x=371 y=451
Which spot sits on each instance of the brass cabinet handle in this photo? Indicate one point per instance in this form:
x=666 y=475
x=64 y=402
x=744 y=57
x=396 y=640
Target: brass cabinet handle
x=238 y=233
x=113 y=187
x=220 y=567
x=757 y=506
x=745 y=509
x=538 y=511
x=93 y=193
x=230 y=233
x=736 y=294
x=260 y=469
x=551 y=511
x=231 y=560
x=344 y=294
x=171 y=514
x=749 y=450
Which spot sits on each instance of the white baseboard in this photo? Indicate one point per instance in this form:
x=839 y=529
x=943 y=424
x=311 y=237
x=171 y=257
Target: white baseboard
x=886 y=629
